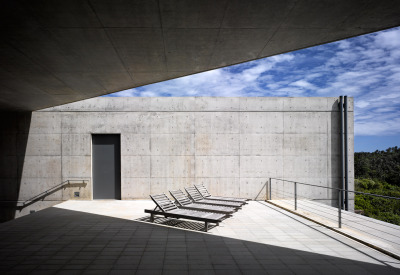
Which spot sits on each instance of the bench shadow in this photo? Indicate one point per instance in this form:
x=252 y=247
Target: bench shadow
x=196 y=226
x=57 y=240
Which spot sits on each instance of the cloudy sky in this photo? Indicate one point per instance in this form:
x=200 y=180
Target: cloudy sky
x=365 y=67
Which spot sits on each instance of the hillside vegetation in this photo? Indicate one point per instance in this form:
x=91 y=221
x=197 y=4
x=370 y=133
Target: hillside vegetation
x=378 y=173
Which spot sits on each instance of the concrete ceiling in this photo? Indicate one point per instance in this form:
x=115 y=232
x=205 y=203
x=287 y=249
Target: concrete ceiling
x=56 y=52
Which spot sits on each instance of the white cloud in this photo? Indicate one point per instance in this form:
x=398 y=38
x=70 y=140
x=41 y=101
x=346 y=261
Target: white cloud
x=282 y=58
x=125 y=93
x=344 y=44
x=289 y=91
x=313 y=76
x=378 y=128
x=361 y=104
x=303 y=84
x=388 y=39
x=253 y=73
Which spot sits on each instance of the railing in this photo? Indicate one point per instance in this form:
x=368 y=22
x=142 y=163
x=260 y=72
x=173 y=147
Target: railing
x=382 y=236
x=296 y=197
x=68 y=183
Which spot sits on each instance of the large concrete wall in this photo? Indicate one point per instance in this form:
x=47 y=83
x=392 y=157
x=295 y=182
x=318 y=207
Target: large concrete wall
x=232 y=145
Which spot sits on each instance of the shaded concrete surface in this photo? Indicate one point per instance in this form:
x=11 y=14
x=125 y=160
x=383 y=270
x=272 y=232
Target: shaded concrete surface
x=55 y=52
x=377 y=233
x=259 y=239
x=13 y=144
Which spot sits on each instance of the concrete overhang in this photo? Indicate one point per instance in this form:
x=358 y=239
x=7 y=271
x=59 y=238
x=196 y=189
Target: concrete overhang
x=56 y=52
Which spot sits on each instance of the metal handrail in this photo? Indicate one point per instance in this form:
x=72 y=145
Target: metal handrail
x=375 y=195
x=340 y=195
x=67 y=182
x=45 y=192
x=20 y=204
x=339 y=189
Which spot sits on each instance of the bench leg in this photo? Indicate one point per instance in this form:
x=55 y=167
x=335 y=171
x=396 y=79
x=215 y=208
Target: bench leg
x=151 y=217
x=206 y=226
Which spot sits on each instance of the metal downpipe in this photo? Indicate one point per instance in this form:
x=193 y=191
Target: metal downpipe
x=341 y=150
x=346 y=165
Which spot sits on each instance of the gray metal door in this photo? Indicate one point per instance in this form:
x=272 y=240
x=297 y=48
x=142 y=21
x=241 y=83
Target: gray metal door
x=106 y=161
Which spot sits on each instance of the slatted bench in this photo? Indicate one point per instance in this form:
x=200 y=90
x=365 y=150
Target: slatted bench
x=168 y=209
x=197 y=197
x=204 y=192
x=185 y=203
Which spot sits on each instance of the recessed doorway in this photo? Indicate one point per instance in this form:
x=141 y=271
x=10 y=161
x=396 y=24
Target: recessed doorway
x=106 y=165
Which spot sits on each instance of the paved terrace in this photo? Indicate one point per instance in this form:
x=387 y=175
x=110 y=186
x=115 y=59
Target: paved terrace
x=105 y=237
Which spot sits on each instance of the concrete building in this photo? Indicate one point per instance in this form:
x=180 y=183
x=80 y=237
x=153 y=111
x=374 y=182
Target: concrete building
x=232 y=145
x=58 y=52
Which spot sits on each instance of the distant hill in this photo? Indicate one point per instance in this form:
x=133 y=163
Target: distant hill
x=381 y=165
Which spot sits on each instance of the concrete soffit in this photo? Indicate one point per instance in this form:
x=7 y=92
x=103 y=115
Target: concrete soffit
x=57 y=52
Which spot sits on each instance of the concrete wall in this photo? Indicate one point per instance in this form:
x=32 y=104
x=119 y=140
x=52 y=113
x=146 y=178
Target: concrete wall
x=232 y=145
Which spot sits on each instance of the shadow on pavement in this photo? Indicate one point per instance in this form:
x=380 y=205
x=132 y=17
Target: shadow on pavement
x=58 y=241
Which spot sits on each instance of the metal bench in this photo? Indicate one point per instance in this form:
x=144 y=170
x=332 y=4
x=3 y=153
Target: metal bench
x=195 y=195
x=168 y=209
x=204 y=192
x=186 y=203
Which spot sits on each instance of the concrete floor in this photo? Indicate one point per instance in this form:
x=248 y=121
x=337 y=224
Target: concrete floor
x=105 y=237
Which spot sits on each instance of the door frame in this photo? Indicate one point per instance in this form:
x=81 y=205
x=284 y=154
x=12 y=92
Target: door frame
x=91 y=161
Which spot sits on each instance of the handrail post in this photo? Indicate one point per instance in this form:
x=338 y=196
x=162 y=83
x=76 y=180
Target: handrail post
x=340 y=208
x=295 y=196
x=270 y=189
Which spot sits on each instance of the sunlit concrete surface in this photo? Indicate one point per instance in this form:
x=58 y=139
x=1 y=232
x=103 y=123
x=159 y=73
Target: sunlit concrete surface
x=232 y=145
x=124 y=209
x=377 y=233
x=103 y=237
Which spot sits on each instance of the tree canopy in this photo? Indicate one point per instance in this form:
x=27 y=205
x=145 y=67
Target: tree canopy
x=382 y=165
x=378 y=173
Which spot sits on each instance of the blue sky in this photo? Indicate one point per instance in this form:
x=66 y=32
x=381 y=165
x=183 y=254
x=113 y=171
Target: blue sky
x=365 y=67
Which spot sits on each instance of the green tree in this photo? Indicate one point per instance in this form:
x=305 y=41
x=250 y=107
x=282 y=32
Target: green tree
x=378 y=173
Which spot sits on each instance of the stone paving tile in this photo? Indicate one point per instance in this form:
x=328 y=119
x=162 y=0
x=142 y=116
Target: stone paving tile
x=259 y=239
